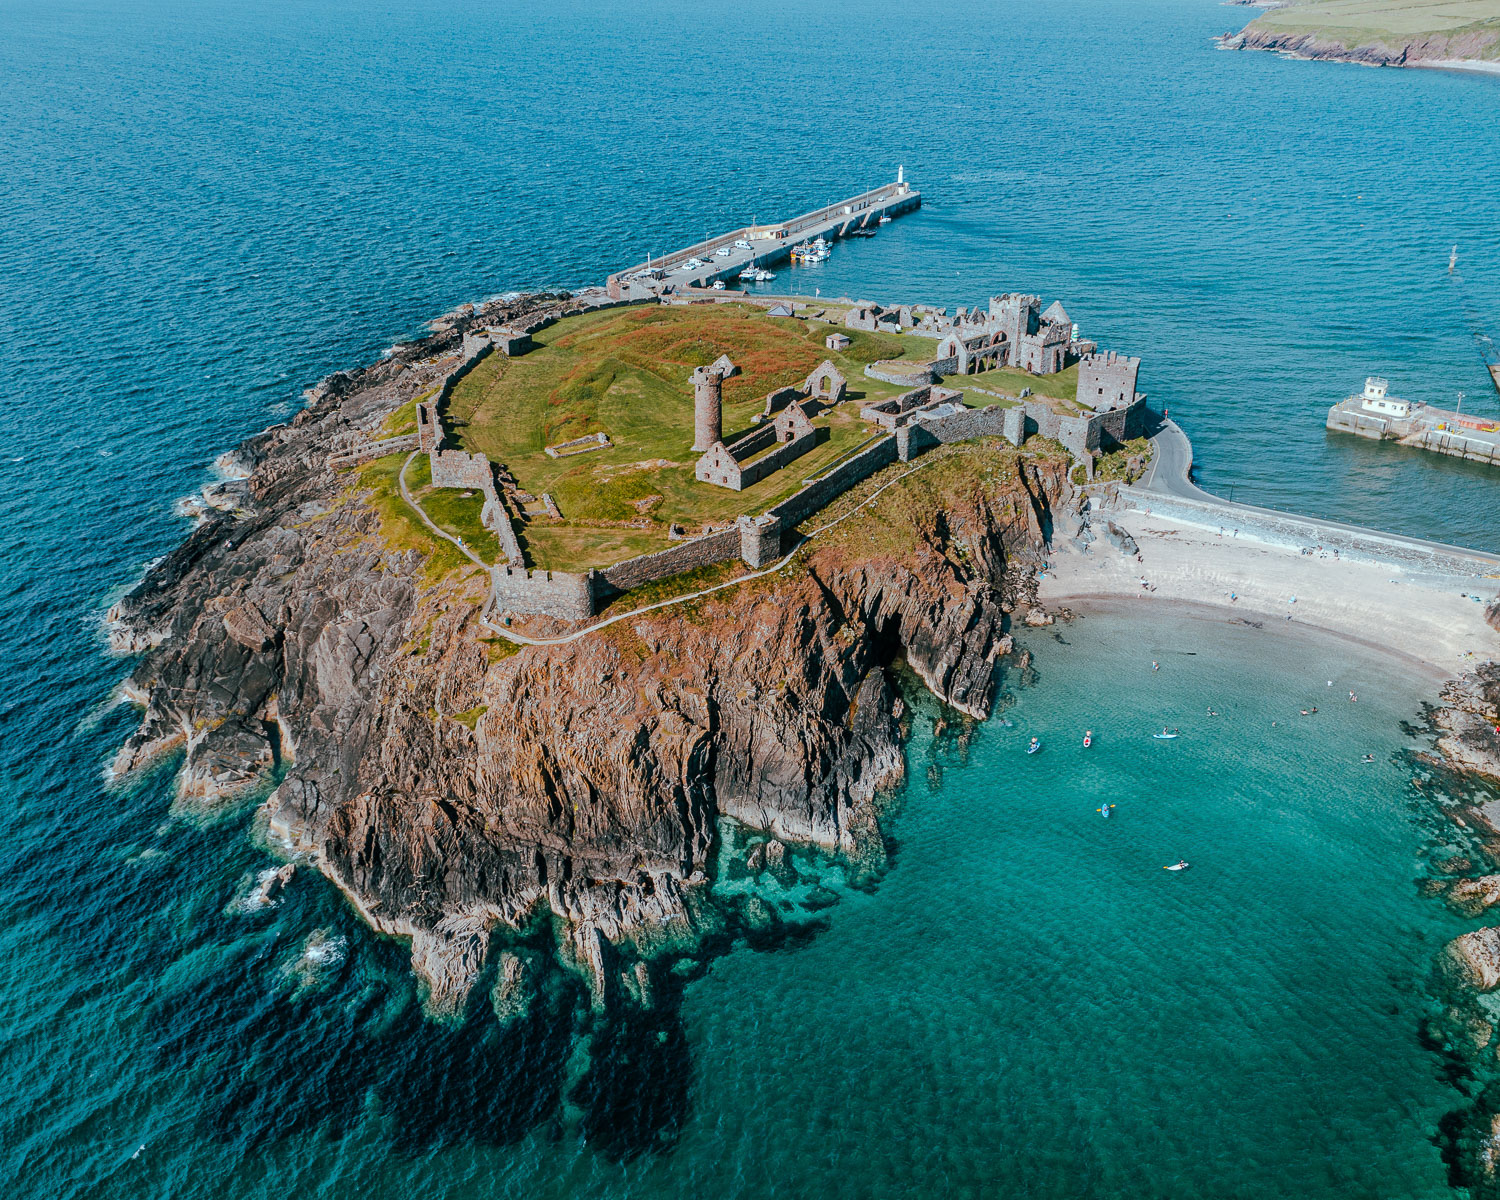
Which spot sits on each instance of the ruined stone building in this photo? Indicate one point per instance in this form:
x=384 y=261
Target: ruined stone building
x=968 y=353
x=826 y=383
x=763 y=450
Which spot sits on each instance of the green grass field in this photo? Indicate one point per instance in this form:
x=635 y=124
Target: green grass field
x=626 y=372
x=1393 y=23
x=1012 y=380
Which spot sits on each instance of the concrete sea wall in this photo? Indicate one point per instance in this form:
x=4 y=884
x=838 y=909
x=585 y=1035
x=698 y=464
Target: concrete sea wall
x=1288 y=529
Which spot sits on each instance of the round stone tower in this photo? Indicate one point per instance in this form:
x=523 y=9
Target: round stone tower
x=708 y=408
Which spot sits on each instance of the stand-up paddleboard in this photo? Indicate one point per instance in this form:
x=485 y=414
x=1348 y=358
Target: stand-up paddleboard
x=1163 y=736
x=1181 y=865
x=1036 y=744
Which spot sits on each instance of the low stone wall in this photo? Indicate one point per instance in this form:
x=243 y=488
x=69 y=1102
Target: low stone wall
x=686 y=556
x=395 y=445
x=818 y=492
x=906 y=375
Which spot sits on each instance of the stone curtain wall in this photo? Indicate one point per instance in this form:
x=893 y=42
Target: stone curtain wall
x=919 y=436
x=458 y=469
x=544 y=593
x=818 y=492
x=700 y=552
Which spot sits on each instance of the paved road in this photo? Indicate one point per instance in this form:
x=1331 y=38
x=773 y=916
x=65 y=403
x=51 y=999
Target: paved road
x=1171 y=471
x=1170 y=476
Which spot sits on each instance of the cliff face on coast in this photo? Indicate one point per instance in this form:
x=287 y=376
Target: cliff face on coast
x=1307 y=31
x=453 y=784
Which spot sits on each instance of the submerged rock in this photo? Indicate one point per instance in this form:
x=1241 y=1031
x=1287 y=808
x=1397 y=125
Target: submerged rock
x=1473 y=896
x=1474 y=958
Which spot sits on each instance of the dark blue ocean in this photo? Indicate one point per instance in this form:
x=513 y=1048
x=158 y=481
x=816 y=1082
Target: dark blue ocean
x=205 y=207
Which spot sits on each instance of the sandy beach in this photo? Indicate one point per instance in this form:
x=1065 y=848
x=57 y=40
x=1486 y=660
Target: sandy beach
x=1426 y=617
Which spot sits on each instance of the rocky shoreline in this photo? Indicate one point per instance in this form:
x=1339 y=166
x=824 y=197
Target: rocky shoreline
x=1465 y=1032
x=1431 y=50
x=459 y=788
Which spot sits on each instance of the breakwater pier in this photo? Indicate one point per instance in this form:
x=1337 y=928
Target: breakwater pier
x=725 y=256
x=1376 y=414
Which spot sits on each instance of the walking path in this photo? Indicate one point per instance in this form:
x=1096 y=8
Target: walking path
x=427 y=521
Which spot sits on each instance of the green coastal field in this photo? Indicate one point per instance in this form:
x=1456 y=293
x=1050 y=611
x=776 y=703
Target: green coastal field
x=625 y=372
x=1390 y=23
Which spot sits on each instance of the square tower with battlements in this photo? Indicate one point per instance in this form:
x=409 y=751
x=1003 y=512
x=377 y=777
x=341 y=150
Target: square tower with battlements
x=1107 y=381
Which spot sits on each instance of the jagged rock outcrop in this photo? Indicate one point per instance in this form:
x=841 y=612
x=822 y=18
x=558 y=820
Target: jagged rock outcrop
x=1468 y=718
x=1474 y=958
x=449 y=783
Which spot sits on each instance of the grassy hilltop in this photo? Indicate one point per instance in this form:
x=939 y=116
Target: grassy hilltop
x=1386 y=32
x=625 y=372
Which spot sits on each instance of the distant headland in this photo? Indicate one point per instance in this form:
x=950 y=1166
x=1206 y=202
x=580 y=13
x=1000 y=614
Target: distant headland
x=1379 y=33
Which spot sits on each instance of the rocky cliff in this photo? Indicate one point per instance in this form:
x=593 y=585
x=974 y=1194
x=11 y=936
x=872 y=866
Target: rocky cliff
x=452 y=784
x=1465 y=1031
x=1330 y=45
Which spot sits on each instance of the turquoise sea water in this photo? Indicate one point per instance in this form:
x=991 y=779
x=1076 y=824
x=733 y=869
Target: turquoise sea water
x=204 y=208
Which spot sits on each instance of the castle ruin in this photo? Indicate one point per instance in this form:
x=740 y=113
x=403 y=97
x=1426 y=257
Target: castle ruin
x=708 y=408
x=1107 y=381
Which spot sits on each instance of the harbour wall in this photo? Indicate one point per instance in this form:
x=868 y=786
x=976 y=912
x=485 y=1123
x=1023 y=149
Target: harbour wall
x=1287 y=529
